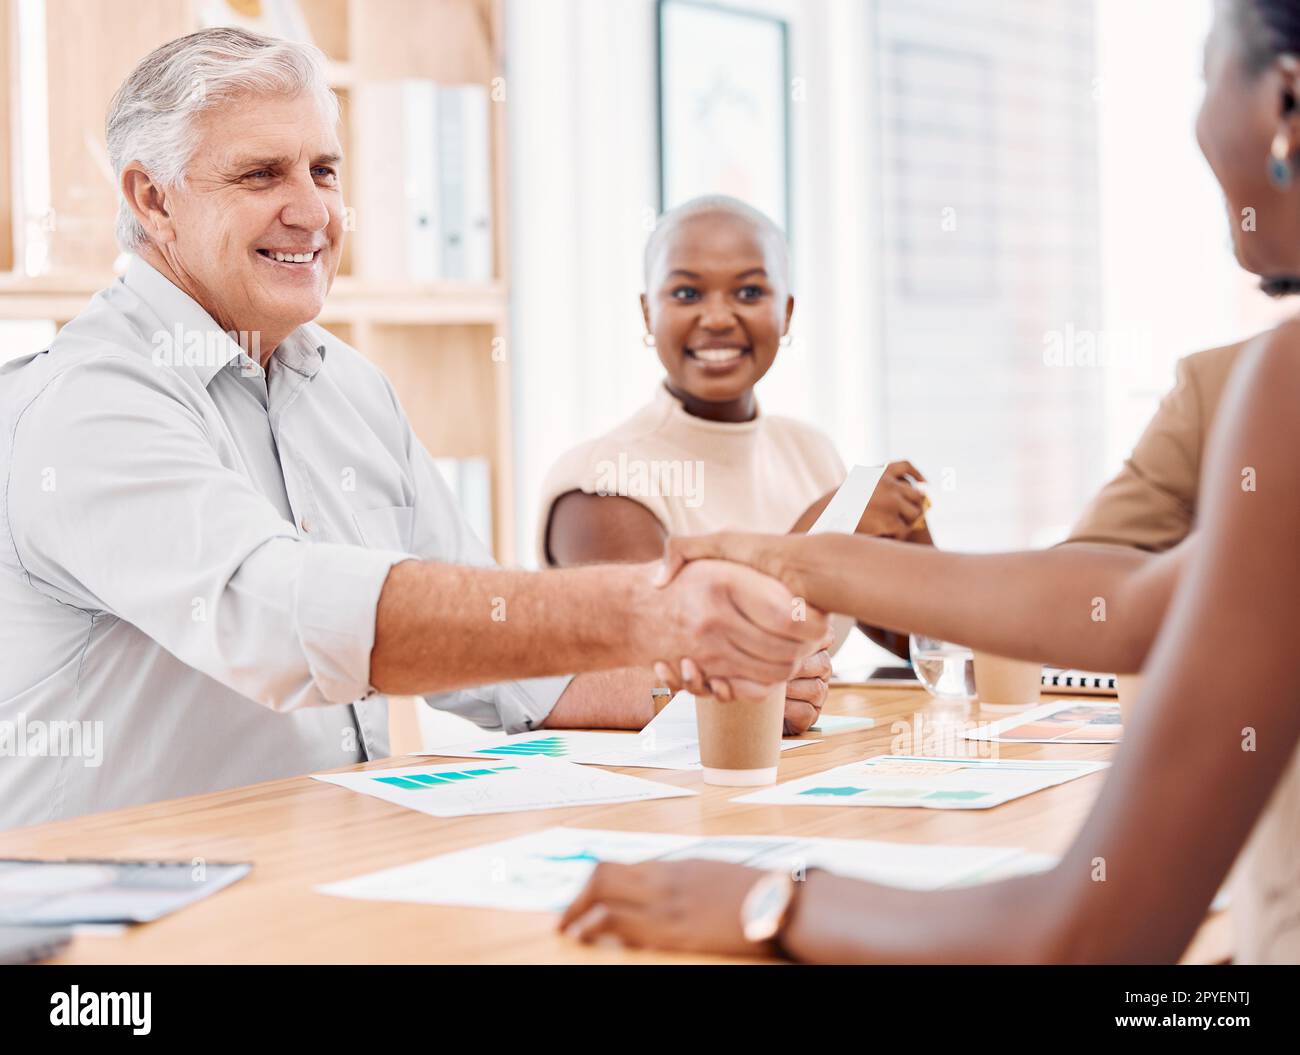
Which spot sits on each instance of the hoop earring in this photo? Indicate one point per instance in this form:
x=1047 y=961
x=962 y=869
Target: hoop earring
x=648 y=339
x=1279 y=165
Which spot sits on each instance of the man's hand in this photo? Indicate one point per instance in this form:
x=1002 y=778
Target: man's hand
x=728 y=623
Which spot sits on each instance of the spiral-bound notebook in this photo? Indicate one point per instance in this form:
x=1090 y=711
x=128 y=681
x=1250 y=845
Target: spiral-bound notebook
x=1083 y=682
x=1078 y=682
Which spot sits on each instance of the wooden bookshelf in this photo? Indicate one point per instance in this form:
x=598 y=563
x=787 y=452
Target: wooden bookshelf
x=436 y=341
x=8 y=55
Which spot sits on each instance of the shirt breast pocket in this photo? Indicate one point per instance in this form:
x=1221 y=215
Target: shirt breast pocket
x=389 y=527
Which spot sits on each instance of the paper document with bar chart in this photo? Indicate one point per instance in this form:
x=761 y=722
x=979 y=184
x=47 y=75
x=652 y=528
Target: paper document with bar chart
x=500 y=787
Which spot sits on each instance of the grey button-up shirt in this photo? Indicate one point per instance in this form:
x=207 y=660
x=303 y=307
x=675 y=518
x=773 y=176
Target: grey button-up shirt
x=191 y=552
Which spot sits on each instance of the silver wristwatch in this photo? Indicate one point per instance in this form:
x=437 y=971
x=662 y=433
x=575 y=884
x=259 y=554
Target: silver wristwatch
x=766 y=907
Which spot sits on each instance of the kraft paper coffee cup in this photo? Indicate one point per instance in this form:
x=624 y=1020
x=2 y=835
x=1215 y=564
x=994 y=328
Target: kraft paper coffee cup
x=1003 y=682
x=1129 y=688
x=740 y=742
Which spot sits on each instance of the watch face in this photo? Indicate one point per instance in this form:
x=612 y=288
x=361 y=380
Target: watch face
x=769 y=900
x=765 y=906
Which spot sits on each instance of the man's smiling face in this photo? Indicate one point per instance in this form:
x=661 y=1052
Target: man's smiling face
x=258 y=223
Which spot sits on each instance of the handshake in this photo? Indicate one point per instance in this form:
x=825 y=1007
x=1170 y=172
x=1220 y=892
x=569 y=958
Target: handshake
x=718 y=627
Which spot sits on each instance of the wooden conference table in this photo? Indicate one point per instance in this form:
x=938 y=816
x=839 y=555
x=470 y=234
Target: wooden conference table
x=301 y=832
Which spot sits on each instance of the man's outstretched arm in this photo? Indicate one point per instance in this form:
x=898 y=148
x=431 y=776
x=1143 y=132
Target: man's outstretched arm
x=443 y=626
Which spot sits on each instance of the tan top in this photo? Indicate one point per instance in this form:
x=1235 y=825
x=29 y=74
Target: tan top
x=699 y=476
x=1151 y=505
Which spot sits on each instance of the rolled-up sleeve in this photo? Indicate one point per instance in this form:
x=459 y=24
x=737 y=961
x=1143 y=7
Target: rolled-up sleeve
x=513 y=706
x=338 y=595
x=118 y=503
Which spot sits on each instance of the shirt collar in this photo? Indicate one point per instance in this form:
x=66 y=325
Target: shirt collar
x=301 y=352
x=191 y=339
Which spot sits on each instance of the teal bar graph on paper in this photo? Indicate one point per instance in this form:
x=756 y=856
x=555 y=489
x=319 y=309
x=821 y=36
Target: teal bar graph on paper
x=424 y=781
x=398 y=782
x=548 y=746
x=833 y=791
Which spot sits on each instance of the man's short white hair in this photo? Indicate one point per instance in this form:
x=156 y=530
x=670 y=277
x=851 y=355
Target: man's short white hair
x=152 y=116
x=764 y=226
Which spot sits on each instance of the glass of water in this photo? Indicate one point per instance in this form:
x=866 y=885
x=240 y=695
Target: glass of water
x=946 y=670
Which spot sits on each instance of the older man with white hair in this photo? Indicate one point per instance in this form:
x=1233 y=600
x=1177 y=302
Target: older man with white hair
x=220 y=539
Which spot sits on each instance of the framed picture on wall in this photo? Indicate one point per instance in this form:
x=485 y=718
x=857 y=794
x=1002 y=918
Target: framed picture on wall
x=724 y=116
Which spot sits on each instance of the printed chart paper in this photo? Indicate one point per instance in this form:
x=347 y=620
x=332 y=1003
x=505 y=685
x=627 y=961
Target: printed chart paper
x=931 y=783
x=677 y=721
x=847 y=505
x=500 y=787
x=830 y=724
x=543 y=871
x=647 y=751
x=650 y=749
x=1059 y=722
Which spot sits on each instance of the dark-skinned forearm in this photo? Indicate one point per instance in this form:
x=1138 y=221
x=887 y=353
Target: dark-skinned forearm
x=842 y=920
x=891 y=641
x=1095 y=607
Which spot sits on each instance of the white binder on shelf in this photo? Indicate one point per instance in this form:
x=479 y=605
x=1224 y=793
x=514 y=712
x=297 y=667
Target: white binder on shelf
x=395 y=147
x=465 y=159
x=420 y=179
